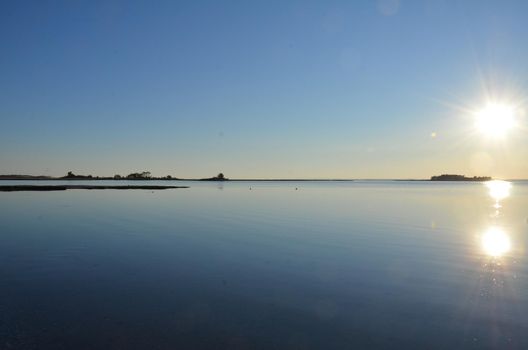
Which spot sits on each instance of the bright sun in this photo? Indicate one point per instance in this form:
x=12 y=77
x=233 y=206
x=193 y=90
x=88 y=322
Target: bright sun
x=495 y=120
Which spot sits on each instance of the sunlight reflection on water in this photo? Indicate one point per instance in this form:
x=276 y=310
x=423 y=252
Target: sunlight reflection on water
x=498 y=190
x=495 y=242
x=373 y=264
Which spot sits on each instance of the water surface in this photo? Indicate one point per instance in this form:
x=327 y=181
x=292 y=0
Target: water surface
x=265 y=265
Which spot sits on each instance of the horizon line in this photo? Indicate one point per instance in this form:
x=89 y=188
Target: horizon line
x=5 y=177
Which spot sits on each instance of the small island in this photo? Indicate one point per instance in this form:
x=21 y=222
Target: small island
x=219 y=177
x=452 y=177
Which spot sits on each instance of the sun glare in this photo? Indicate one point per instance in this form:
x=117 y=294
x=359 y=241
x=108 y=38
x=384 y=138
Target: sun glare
x=498 y=189
x=495 y=242
x=495 y=120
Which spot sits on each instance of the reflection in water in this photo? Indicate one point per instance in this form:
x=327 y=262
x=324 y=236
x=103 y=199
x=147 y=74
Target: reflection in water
x=339 y=265
x=495 y=242
x=498 y=190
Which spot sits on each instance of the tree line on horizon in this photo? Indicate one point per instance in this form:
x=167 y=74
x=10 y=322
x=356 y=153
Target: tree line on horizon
x=145 y=175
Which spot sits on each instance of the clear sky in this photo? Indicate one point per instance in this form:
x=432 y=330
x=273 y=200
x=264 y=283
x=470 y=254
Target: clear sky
x=283 y=89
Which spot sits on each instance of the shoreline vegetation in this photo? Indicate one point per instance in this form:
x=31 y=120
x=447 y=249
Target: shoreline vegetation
x=453 y=177
x=146 y=176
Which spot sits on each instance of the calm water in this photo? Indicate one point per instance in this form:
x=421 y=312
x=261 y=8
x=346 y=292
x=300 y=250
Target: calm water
x=332 y=265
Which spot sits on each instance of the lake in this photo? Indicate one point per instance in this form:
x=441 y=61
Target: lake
x=266 y=265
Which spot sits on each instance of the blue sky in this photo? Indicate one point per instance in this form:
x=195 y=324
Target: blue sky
x=313 y=89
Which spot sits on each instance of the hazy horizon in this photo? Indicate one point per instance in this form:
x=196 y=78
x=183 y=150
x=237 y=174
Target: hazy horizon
x=289 y=89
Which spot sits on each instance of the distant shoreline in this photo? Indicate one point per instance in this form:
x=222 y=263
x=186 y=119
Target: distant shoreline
x=19 y=188
x=455 y=177
x=107 y=178
x=43 y=178
x=123 y=179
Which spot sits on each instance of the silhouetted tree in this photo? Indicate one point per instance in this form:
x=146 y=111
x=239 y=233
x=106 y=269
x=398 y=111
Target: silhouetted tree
x=219 y=177
x=138 y=176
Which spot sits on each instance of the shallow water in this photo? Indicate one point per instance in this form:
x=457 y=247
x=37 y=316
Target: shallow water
x=263 y=265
